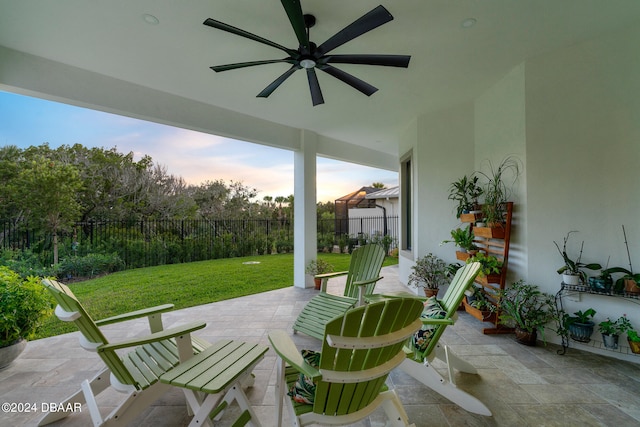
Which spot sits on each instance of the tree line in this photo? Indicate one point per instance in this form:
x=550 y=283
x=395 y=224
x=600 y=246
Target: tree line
x=55 y=188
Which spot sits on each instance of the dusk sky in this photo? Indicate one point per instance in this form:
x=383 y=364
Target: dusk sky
x=195 y=156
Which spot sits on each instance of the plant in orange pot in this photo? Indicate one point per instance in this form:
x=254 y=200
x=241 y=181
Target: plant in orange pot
x=429 y=272
x=318 y=266
x=634 y=341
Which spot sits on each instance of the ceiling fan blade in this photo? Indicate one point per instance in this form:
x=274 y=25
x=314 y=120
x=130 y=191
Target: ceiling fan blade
x=296 y=17
x=235 y=66
x=277 y=82
x=365 y=23
x=314 y=87
x=384 y=60
x=242 y=33
x=349 y=79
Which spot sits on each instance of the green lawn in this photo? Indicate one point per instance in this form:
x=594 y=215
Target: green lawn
x=185 y=285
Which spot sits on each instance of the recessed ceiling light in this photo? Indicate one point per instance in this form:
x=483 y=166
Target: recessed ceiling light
x=468 y=23
x=150 y=19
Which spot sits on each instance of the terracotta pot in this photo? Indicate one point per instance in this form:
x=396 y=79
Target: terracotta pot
x=634 y=346
x=526 y=337
x=318 y=283
x=430 y=292
x=631 y=287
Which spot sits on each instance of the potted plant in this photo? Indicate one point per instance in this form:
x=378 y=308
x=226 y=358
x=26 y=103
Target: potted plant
x=465 y=192
x=634 y=341
x=611 y=330
x=580 y=326
x=24 y=304
x=497 y=191
x=491 y=267
x=318 y=266
x=572 y=271
x=477 y=304
x=463 y=238
x=527 y=309
x=629 y=281
x=429 y=273
x=601 y=283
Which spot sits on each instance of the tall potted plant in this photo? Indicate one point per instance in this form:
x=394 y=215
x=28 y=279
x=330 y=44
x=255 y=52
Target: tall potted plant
x=24 y=304
x=429 y=272
x=318 y=266
x=465 y=192
x=630 y=281
x=525 y=308
x=496 y=191
x=463 y=238
x=572 y=271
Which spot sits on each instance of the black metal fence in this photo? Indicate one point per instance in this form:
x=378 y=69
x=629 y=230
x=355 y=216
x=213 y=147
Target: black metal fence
x=156 y=242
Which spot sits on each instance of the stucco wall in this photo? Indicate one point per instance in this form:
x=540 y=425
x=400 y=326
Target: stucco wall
x=572 y=116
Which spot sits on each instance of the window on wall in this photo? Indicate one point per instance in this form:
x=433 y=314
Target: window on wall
x=406 y=210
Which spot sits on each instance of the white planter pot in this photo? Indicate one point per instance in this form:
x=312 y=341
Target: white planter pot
x=571 y=279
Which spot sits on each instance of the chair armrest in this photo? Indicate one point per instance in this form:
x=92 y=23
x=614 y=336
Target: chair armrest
x=367 y=282
x=158 y=336
x=330 y=275
x=135 y=314
x=324 y=278
x=437 y=322
x=286 y=349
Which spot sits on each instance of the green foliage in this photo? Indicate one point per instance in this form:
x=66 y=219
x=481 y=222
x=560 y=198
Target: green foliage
x=25 y=263
x=24 y=303
x=582 y=316
x=574 y=267
x=429 y=272
x=525 y=306
x=318 y=266
x=463 y=238
x=633 y=336
x=489 y=263
x=385 y=241
x=89 y=265
x=620 y=326
x=465 y=192
x=498 y=188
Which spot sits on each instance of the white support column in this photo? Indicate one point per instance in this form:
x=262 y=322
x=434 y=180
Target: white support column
x=304 y=207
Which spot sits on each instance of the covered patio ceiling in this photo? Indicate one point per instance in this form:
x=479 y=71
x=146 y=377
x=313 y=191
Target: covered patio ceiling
x=122 y=47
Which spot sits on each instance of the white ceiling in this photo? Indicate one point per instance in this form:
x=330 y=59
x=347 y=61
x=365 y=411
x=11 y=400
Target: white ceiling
x=449 y=64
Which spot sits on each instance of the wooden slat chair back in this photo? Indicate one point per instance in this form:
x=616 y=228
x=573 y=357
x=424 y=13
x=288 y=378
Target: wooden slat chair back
x=418 y=362
x=364 y=267
x=69 y=308
x=451 y=301
x=130 y=373
x=359 y=350
x=362 y=276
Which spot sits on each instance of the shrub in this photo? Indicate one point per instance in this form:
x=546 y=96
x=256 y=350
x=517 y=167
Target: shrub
x=24 y=303
x=89 y=265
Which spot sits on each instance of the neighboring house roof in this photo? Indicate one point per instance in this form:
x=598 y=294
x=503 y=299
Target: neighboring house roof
x=357 y=195
x=386 y=193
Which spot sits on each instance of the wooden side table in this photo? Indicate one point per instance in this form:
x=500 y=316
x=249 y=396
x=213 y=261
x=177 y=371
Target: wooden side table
x=212 y=380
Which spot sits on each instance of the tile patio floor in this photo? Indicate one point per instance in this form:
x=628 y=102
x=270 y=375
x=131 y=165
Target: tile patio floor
x=522 y=386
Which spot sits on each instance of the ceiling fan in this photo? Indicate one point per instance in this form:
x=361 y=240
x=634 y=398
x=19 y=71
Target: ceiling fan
x=310 y=57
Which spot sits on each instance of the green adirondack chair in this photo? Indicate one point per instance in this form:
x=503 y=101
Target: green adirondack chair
x=359 y=349
x=362 y=276
x=420 y=355
x=135 y=373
